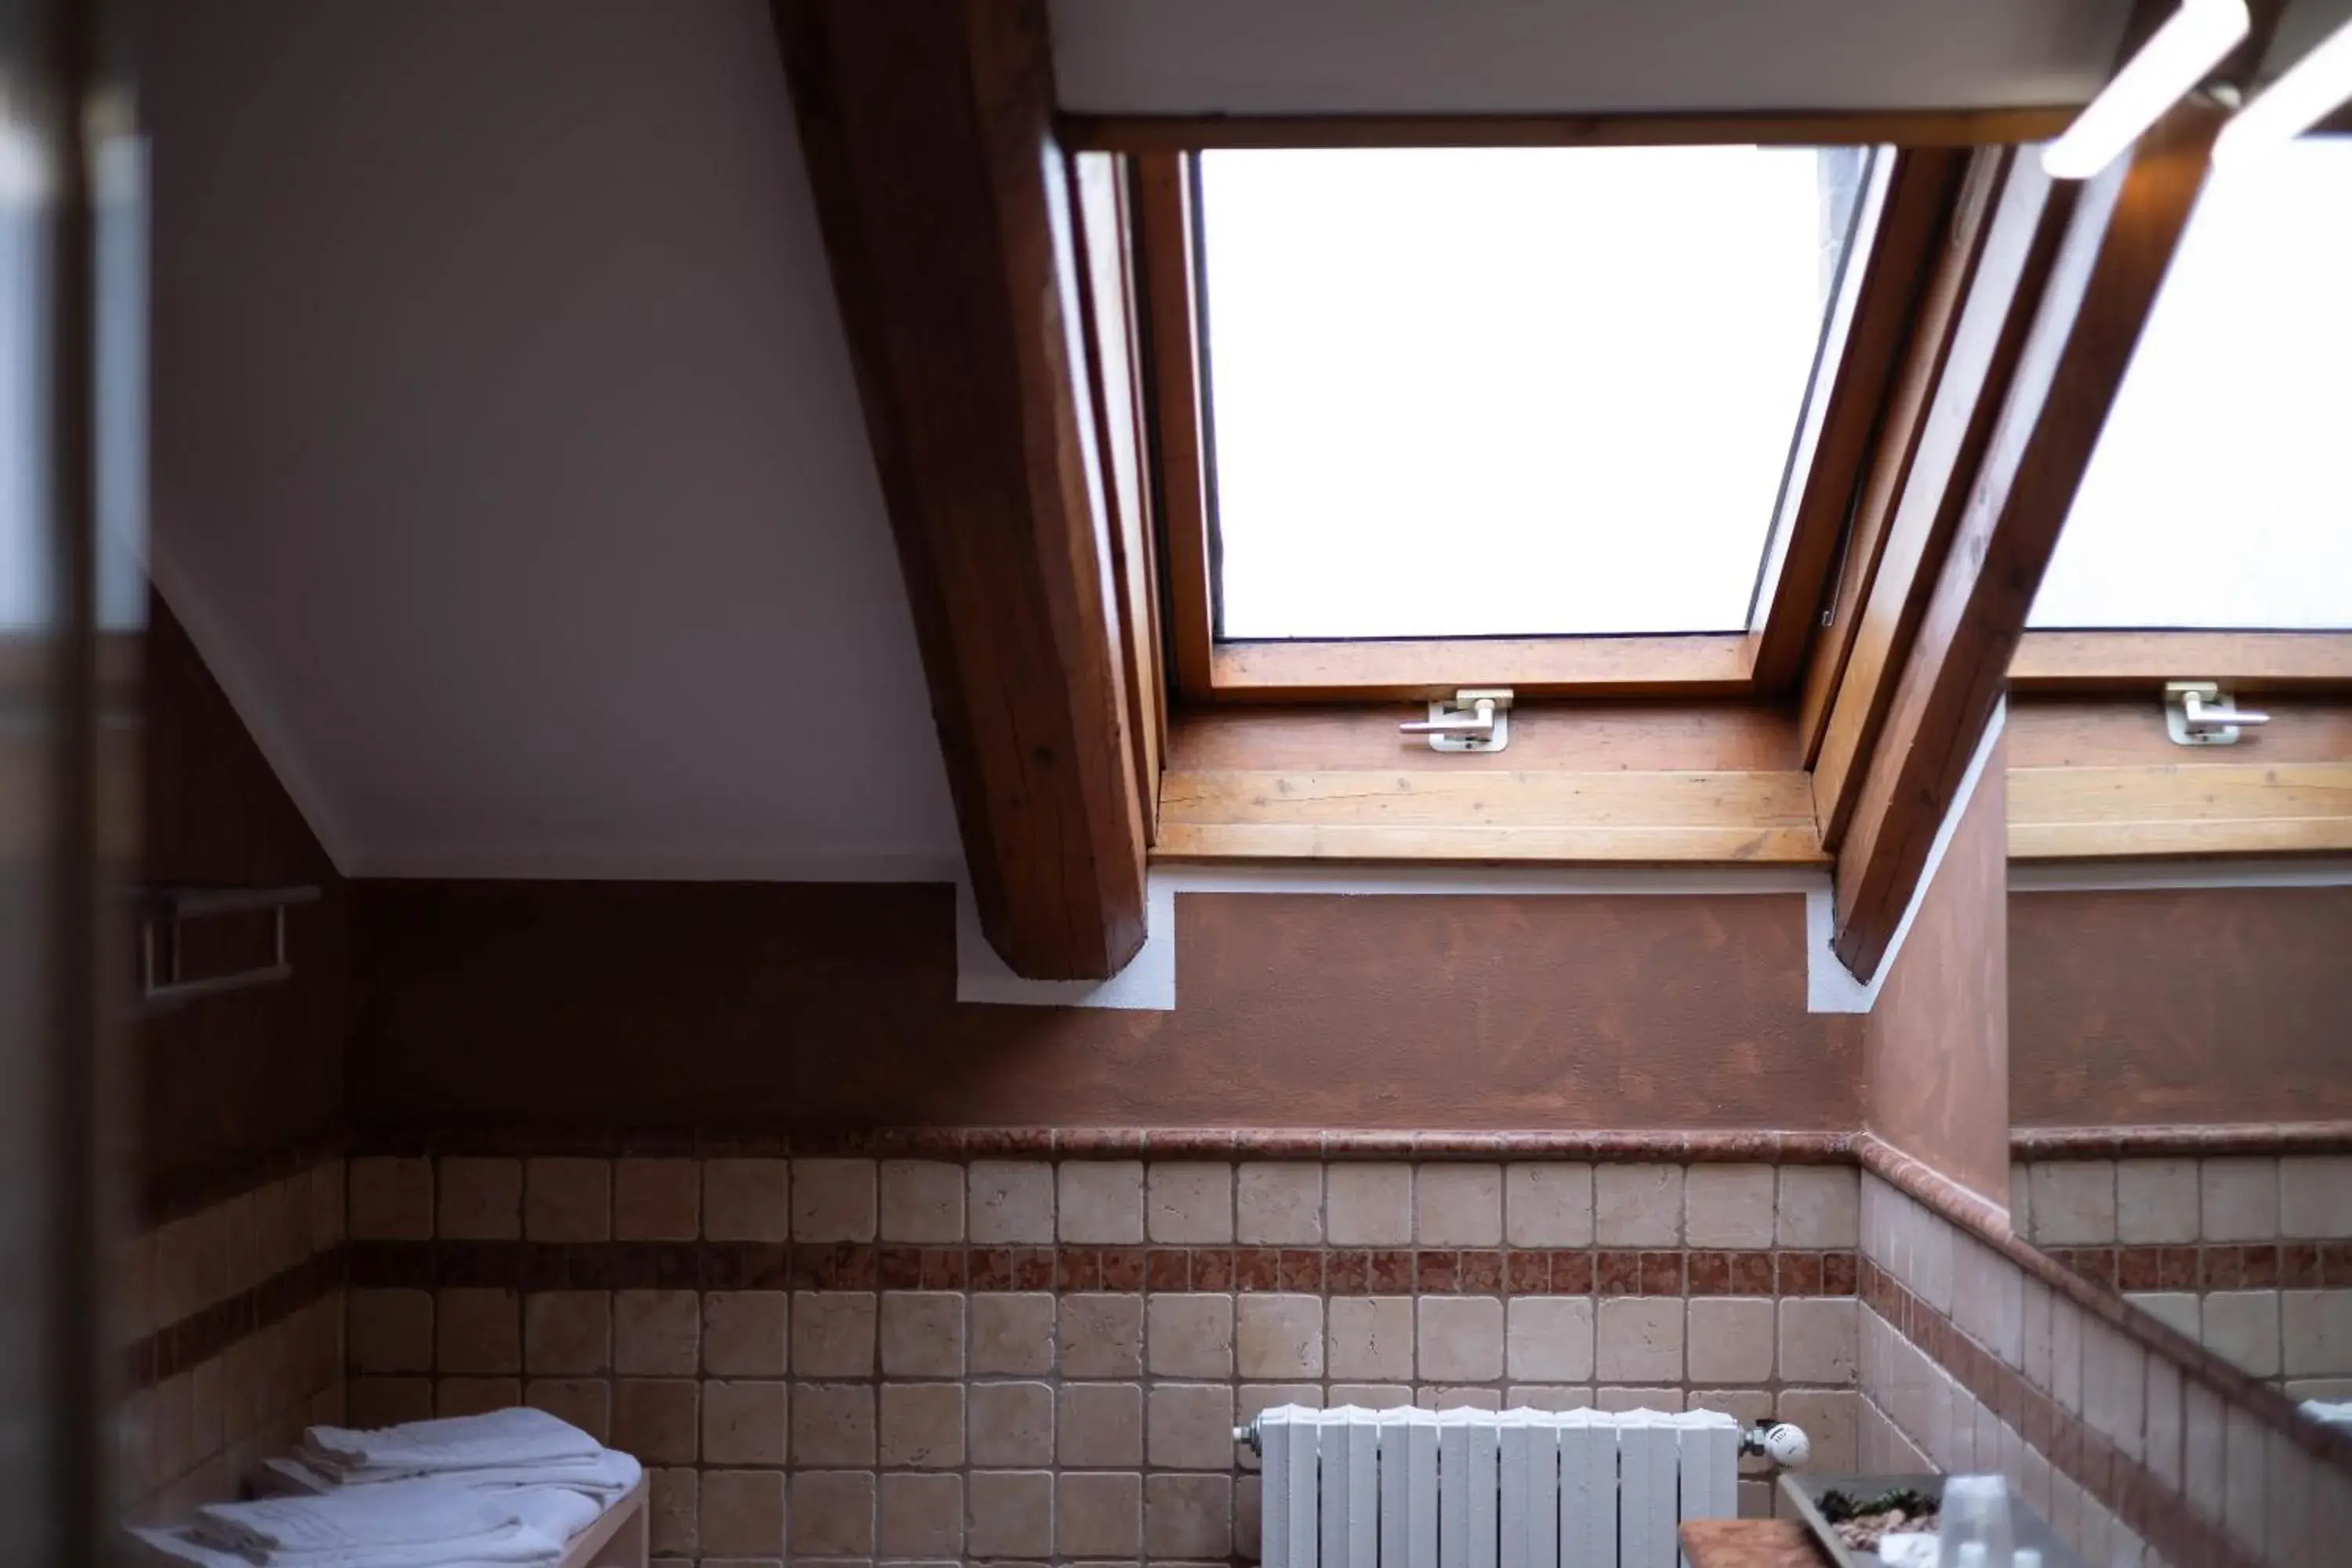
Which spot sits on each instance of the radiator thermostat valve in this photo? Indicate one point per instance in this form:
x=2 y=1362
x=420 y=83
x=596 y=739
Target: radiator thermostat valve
x=1784 y=1445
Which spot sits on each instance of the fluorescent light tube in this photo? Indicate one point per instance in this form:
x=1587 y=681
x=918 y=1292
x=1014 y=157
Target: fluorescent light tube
x=2174 y=59
x=2305 y=94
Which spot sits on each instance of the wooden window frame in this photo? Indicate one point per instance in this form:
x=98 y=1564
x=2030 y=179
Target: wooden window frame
x=1903 y=207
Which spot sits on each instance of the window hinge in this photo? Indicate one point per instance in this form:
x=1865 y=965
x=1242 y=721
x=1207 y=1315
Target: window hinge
x=1475 y=719
x=2198 y=714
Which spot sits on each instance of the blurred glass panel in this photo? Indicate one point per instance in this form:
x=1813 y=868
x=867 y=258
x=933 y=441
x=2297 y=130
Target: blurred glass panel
x=1508 y=392
x=2220 y=494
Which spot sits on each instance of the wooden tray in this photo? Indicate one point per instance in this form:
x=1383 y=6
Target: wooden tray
x=1804 y=1491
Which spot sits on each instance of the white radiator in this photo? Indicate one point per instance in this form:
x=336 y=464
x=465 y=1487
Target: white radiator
x=1480 y=1489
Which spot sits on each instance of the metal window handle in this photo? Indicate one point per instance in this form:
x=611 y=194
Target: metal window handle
x=1475 y=719
x=2192 y=704
x=2200 y=713
x=1480 y=725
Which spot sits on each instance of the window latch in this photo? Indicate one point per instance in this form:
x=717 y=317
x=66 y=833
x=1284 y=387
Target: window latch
x=1475 y=719
x=2200 y=713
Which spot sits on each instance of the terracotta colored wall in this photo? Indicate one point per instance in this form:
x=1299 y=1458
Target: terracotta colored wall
x=2219 y=1004
x=231 y=1081
x=1937 y=1042
x=518 y=1005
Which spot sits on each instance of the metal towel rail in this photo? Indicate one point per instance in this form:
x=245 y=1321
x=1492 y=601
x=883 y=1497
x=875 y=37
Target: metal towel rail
x=162 y=983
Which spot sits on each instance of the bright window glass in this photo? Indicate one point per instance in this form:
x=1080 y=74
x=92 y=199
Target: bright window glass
x=1508 y=392
x=2221 y=492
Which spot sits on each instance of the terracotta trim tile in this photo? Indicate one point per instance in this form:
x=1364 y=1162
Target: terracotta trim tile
x=2028 y=1143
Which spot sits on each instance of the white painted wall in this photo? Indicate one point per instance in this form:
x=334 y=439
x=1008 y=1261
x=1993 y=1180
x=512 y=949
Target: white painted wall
x=1500 y=56
x=508 y=466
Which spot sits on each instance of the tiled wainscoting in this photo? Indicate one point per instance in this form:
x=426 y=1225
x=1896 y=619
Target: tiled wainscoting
x=1978 y=1355
x=972 y=1356
x=2248 y=1255
x=234 y=1313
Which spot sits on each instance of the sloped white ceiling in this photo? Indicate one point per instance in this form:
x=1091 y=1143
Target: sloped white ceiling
x=508 y=466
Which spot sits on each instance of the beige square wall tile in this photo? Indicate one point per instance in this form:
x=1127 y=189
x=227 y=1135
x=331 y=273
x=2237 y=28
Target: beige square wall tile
x=1010 y=1514
x=1457 y=1206
x=1546 y=1396
x=481 y=1199
x=1730 y=1339
x=1460 y=1338
x=1820 y=1207
x=2315 y=1333
x=585 y=1402
x=1100 y=1426
x=1616 y=1398
x=2156 y=1200
x=833 y=1200
x=1191 y=1516
x=478 y=1330
x=747 y=1199
x=672 y=1504
x=1279 y=1203
x=1832 y=1419
x=1550 y=1339
x=922 y=1334
x=2316 y=1197
x=1639 y=1339
x=1369 y=1205
x=831 y=1513
x=1818 y=1340
x=1190 y=1201
x=567 y=1200
x=832 y=1333
x=390 y=1200
x=475 y=1395
x=1011 y=1424
x=922 y=1425
x=1014 y=1334
x=1370 y=1338
x=1186 y=1335
x=921 y=1517
x=1100 y=1335
x=1371 y=1396
x=2240 y=1198
x=2073 y=1201
x=390 y=1330
x=1011 y=1201
x=2242 y=1327
x=1637 y=1206
x=1191 y=1426
x=1278 y=1337
x=745 y=1332
x=742 y=1513
x=567 y=1332
x=1548 y=1203
x=1098 y=1515
x=656 y=1200
x=388 y=1401
x=833 y=1425
x=923 y=1201
x=1100 y=1201
x=745 y=1423
x=657 y=1419
x=655 y=1333
x=1729 y=1206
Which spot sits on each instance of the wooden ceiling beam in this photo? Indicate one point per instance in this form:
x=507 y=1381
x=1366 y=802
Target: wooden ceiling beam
x=2120 y=232
x=946 y=208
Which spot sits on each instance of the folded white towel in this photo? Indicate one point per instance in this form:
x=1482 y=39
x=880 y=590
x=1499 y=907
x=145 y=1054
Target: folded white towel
x=397 y=1514
x=520 y=1547
x=605 y=1478
x=520 y=1436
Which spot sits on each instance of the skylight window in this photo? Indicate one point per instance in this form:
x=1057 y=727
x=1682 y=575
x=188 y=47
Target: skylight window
x=1508 y=392
x=2220 y=494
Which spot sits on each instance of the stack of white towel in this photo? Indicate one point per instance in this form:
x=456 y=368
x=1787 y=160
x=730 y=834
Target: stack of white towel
x=508 y=1488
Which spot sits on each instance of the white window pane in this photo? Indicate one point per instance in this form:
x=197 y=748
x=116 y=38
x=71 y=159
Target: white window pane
x=1468 y=392
x=2220 y=494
